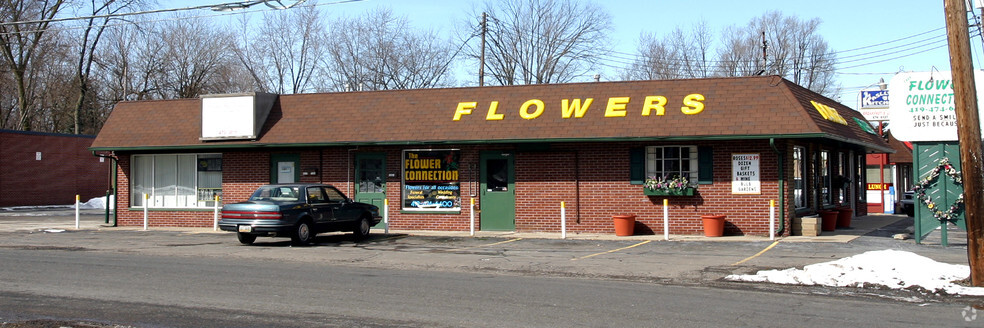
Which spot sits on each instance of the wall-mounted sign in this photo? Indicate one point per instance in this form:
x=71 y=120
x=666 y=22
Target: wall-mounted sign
x=691 y=104
x=746 y=179
x=430 y=180
x=922 y=107
x=234 y=116
x=874 y=105
x=829 y=113
x=878 y=186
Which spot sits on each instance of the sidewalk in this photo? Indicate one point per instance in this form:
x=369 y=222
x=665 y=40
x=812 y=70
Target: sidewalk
x=64 y=219
x=859 y=227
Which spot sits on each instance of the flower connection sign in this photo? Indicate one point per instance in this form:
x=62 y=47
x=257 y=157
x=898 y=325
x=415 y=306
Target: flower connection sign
x=430 y=180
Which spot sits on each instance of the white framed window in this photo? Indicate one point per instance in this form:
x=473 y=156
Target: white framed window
x=672 y=161
x=175 y=180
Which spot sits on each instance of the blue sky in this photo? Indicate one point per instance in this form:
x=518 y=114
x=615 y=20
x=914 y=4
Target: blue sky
x=861 y=32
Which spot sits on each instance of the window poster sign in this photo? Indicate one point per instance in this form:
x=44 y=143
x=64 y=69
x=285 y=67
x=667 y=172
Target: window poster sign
x=430 y=180
x=746 y=175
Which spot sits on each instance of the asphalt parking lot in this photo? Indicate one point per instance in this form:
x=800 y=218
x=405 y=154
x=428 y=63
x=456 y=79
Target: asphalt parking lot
x=681 y=260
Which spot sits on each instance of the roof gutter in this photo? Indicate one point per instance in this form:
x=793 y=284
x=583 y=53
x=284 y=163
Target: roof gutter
x=220 y=145
x=782 y=186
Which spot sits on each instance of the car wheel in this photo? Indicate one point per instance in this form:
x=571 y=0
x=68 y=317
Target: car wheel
x=361 y=230
x=245 y=238
x=302 y=235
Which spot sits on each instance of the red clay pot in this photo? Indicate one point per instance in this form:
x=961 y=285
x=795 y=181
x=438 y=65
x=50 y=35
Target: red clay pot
x=844 y=217
x=828 y=220
x=624 y=225
x=713 y=225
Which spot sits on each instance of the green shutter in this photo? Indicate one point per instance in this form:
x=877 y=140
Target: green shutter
x=705 y=165
x=637 y=165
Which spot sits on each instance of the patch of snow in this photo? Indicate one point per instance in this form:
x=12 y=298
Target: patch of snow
x=890 y=268
x=54 y=230
x=97 y=203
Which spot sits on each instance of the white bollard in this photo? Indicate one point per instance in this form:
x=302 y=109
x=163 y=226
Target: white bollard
x=471 y=222
x=563 y=221
x=146 y=197
x=666 y=219
x=76 y=212
x=215 y=216
x=772 y=219
x=386 y=211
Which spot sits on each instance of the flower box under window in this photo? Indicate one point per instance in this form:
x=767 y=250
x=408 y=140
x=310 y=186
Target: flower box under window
x=660 y=192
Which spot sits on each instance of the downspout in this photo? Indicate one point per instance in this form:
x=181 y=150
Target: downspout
x=115 y=187
x=782 y=187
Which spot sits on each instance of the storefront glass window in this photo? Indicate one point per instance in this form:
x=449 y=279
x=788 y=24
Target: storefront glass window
x=842 y=181
x=799 y=174
x=672 y=161
x=825 y=176
x=176 y=180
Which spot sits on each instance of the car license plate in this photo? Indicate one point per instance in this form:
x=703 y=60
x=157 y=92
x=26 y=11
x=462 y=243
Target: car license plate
x=245 y=228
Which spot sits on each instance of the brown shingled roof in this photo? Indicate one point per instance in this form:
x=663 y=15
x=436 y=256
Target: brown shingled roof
x=747 y=107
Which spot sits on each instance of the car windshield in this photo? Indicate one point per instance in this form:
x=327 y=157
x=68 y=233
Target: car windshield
x=277 y=194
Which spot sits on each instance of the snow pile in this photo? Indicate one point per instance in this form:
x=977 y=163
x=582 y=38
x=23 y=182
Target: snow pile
x=97 y=203
x=890 y=268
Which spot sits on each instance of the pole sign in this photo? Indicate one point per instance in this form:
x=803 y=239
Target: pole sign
x=922 y=107
x=874 y=105
x=745 y=174
x=430 y=180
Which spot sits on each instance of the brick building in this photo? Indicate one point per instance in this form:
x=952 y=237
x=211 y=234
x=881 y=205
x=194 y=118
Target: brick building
x=517 y=151
x=49 y=169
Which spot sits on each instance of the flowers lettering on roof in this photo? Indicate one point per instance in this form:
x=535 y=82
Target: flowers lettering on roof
x=676 y=184
x=942 y=214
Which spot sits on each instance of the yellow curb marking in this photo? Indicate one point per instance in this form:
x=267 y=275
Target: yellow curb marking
x=759 y=253
x=611 y=251
x=492 y=244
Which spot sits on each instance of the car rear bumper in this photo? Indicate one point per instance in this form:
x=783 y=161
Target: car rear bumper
x=257 y=227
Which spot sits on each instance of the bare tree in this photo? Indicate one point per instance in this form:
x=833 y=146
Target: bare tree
x=25 y=25
x=543 y=41
x=737 y=56
x=793 y=47
x=195 y=49
x=100 y=14
x=678 y=55
x=283 y=54
x=380 y=51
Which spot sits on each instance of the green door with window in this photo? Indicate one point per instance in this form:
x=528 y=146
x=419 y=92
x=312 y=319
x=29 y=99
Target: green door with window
x=285 y=168
x=498 y=192
x=370 y=180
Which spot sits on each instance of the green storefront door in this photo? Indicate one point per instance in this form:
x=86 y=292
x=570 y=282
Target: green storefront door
x=284 y=168
x=370 y=180
x=498 y=192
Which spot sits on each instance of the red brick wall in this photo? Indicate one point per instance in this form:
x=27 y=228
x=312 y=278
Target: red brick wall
x=592 y=178
x=67 y=168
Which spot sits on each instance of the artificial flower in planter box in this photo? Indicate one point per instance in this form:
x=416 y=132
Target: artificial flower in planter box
x=661 y=186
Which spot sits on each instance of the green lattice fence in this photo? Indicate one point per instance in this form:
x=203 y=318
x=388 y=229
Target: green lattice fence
x=942 y=190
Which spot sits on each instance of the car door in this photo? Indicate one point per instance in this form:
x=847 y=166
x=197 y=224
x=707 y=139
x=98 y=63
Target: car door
x=321 y=207
x=343 y=208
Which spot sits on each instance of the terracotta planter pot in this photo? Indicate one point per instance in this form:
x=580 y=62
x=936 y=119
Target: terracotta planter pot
x=713 y=225
x=624 y=225
x=829 y=220
x=844 y=215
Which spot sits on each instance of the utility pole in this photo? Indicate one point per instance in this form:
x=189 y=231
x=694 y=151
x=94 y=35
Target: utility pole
x=968 y=133
x=481 y=60
x=765 y=55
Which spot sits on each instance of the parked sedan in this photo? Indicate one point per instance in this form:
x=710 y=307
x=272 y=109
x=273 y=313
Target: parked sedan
x=299 y=211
